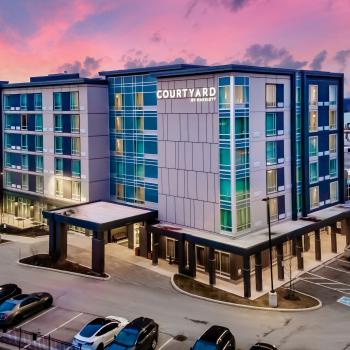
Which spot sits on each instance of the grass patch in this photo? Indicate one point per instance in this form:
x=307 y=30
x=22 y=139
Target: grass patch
x=192 y=286
x=44 y=260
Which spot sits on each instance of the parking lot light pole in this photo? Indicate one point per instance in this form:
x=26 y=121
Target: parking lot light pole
x=272 y=293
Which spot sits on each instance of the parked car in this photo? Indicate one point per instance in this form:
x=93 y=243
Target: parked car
x=8 y=291
x=140 y=334
x=263 y=346
x=99 y=332
x=216 y=338
x=21 y=306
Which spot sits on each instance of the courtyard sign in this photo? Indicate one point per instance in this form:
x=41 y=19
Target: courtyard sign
x=204 y=94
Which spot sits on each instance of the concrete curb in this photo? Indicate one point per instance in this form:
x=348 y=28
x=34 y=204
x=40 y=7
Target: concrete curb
x=65 y=272
x=172 y=282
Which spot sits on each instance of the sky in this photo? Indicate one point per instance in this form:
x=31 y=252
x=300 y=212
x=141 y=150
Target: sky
x=39 y=37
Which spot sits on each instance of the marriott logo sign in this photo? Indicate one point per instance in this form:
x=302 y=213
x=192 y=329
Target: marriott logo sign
x=204 y=94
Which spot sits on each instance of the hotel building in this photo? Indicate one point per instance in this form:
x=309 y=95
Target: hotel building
x=196 y=153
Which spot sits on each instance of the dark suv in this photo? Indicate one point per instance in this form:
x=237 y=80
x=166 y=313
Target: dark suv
x=216 y=338
x=140 y=334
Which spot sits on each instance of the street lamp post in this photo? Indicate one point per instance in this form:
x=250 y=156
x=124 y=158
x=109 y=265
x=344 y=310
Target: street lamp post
x=272 y=293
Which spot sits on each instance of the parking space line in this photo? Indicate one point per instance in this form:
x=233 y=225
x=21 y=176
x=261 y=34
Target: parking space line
x=348 y=262
x=328 y=279
x=64 y=324
x=34 y=318
x=340 y=270
x=322 y=285
x=166 y=343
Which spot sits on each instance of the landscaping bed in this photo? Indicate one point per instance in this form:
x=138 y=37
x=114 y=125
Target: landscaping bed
x=35 y=231
x=44 y=260
x=297 y=301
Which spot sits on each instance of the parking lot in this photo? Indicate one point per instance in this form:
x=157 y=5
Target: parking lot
x=328 y=282
x=63 y=324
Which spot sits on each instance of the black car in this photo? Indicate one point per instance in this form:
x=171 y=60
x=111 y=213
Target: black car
x=8 y=291
x=216 y=338
x=140 y=334
x=263 y=346
x=16 y=309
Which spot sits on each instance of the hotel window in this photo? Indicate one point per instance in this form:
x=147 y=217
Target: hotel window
x=24 y=142
x=74 y=100
x=332 y=119
x=57 y=101
x=76 y=190
x=24 y=161
x=139 y=99
x=224 y=156
x=271 y=100
x=139 y=147
x=222 y=264
x=271 y=124
x=333 y=191
x=271 y=153
x=242 y=158
x=75 y=168
x=118 y=101
x=75 y=146
x=313 y=96
x=273 y=204
x=140 y=170
x=23 y=101
x=224 y=126
x=271 y=181
x=38 y=143
x=38 y=102
x=243 y=218
x=58 y=144
x=226 y=219
x=313 y=121
x=38 y=122
x=313 y=172
x=139 y=124
x=241 y=94
x=241 y=128
x=140 y=195
x=39 y=164
x=333 y=168
x=58 y=123
x=313 y=146
x=332 y=95
x=314 y=197
x=59 y=188
x=298 y=148
x=333 y=143
x=120 y=191
x=119 y=146
x=118 y=124
x=58 y=166
x=25 y=182
x=8 y=121
x=75 y=123
x=225 y=189
x=242 y=189
x=24 y=122
x=7 y=104
x=39 y=182
x=224 y=97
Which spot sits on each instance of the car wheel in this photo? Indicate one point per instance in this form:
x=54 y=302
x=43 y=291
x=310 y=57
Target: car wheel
x=17 y=320
x=100 y=347
x=154 y=344
x=48 y=303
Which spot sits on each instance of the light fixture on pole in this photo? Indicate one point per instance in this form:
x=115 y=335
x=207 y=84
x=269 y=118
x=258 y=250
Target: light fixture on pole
x=272 y=293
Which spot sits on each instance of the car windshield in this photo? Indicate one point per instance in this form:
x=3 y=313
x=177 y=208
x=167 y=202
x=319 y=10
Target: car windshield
x=7 y=306
x=127 y=337
x=90 y=329
x=204 y=345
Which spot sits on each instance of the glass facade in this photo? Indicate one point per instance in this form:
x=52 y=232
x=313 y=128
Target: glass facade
x=133 y=138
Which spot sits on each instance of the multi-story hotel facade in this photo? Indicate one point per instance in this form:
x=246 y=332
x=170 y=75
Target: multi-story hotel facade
x=204 y=149
x=55 y=143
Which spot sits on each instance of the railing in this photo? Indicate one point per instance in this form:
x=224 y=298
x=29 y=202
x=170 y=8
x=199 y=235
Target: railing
x=33 y=341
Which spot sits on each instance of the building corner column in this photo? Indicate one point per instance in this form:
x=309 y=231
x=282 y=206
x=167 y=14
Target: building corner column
x=258 y=272
x=246 y=276
x=211 y=266
x=280 y=262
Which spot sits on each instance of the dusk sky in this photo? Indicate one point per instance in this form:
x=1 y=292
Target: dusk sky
x=38 y=37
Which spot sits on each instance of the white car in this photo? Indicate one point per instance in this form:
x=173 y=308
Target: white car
x=99 y=332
